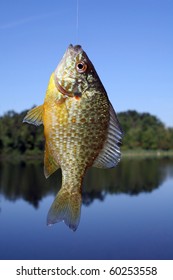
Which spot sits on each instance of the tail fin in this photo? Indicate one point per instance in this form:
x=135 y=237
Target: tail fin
x=66 y=207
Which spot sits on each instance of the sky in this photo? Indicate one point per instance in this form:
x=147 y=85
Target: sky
x=130 y=43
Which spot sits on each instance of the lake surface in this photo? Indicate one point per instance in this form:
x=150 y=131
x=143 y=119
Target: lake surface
x=127 y=213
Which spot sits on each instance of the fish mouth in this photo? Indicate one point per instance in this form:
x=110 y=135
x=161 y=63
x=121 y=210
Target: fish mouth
x=75 y=49
x=72 y=51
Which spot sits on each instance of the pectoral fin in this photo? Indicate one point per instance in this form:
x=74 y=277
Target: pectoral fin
x=110 y=154
x=34 y=116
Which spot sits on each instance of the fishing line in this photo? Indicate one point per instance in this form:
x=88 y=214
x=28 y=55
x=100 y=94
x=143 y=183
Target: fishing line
x=77 y=20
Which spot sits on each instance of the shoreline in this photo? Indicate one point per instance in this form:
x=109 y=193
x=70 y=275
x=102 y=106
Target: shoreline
x=39 y=157
x=147 y=153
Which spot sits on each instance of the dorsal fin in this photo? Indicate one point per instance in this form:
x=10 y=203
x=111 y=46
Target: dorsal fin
x=34 y=116
x=110 y=154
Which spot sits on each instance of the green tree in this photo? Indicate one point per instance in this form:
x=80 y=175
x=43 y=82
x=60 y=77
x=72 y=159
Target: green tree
x=141 y=131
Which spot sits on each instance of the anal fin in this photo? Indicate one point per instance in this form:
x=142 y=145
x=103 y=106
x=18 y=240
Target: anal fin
x=50 y=165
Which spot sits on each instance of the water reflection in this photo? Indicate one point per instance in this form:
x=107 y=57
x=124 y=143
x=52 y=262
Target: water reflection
x=132 y=177
x=137 y=224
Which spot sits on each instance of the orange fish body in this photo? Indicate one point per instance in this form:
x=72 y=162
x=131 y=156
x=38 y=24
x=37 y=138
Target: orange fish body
x=80 y=128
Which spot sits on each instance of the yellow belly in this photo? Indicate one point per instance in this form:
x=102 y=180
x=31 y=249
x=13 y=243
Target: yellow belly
x=75 y=131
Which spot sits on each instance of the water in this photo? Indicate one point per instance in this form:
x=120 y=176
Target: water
x=127 y=213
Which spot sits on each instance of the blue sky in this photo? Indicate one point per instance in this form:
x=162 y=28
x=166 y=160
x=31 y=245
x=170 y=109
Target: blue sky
x=130 y=43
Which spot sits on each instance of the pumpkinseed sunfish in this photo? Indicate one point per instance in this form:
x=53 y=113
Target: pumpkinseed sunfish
x=81 y=129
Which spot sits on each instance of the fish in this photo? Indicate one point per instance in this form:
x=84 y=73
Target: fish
x=81 y=130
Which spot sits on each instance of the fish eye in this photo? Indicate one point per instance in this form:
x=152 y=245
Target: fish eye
x=81 y=67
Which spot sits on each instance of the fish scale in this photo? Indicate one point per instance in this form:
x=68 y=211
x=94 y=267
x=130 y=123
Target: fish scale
x=72 y=137
x=81 y=129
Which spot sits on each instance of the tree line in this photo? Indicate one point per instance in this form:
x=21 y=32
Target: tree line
x=141 y=131
x=17 y=137
x=145 y=131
